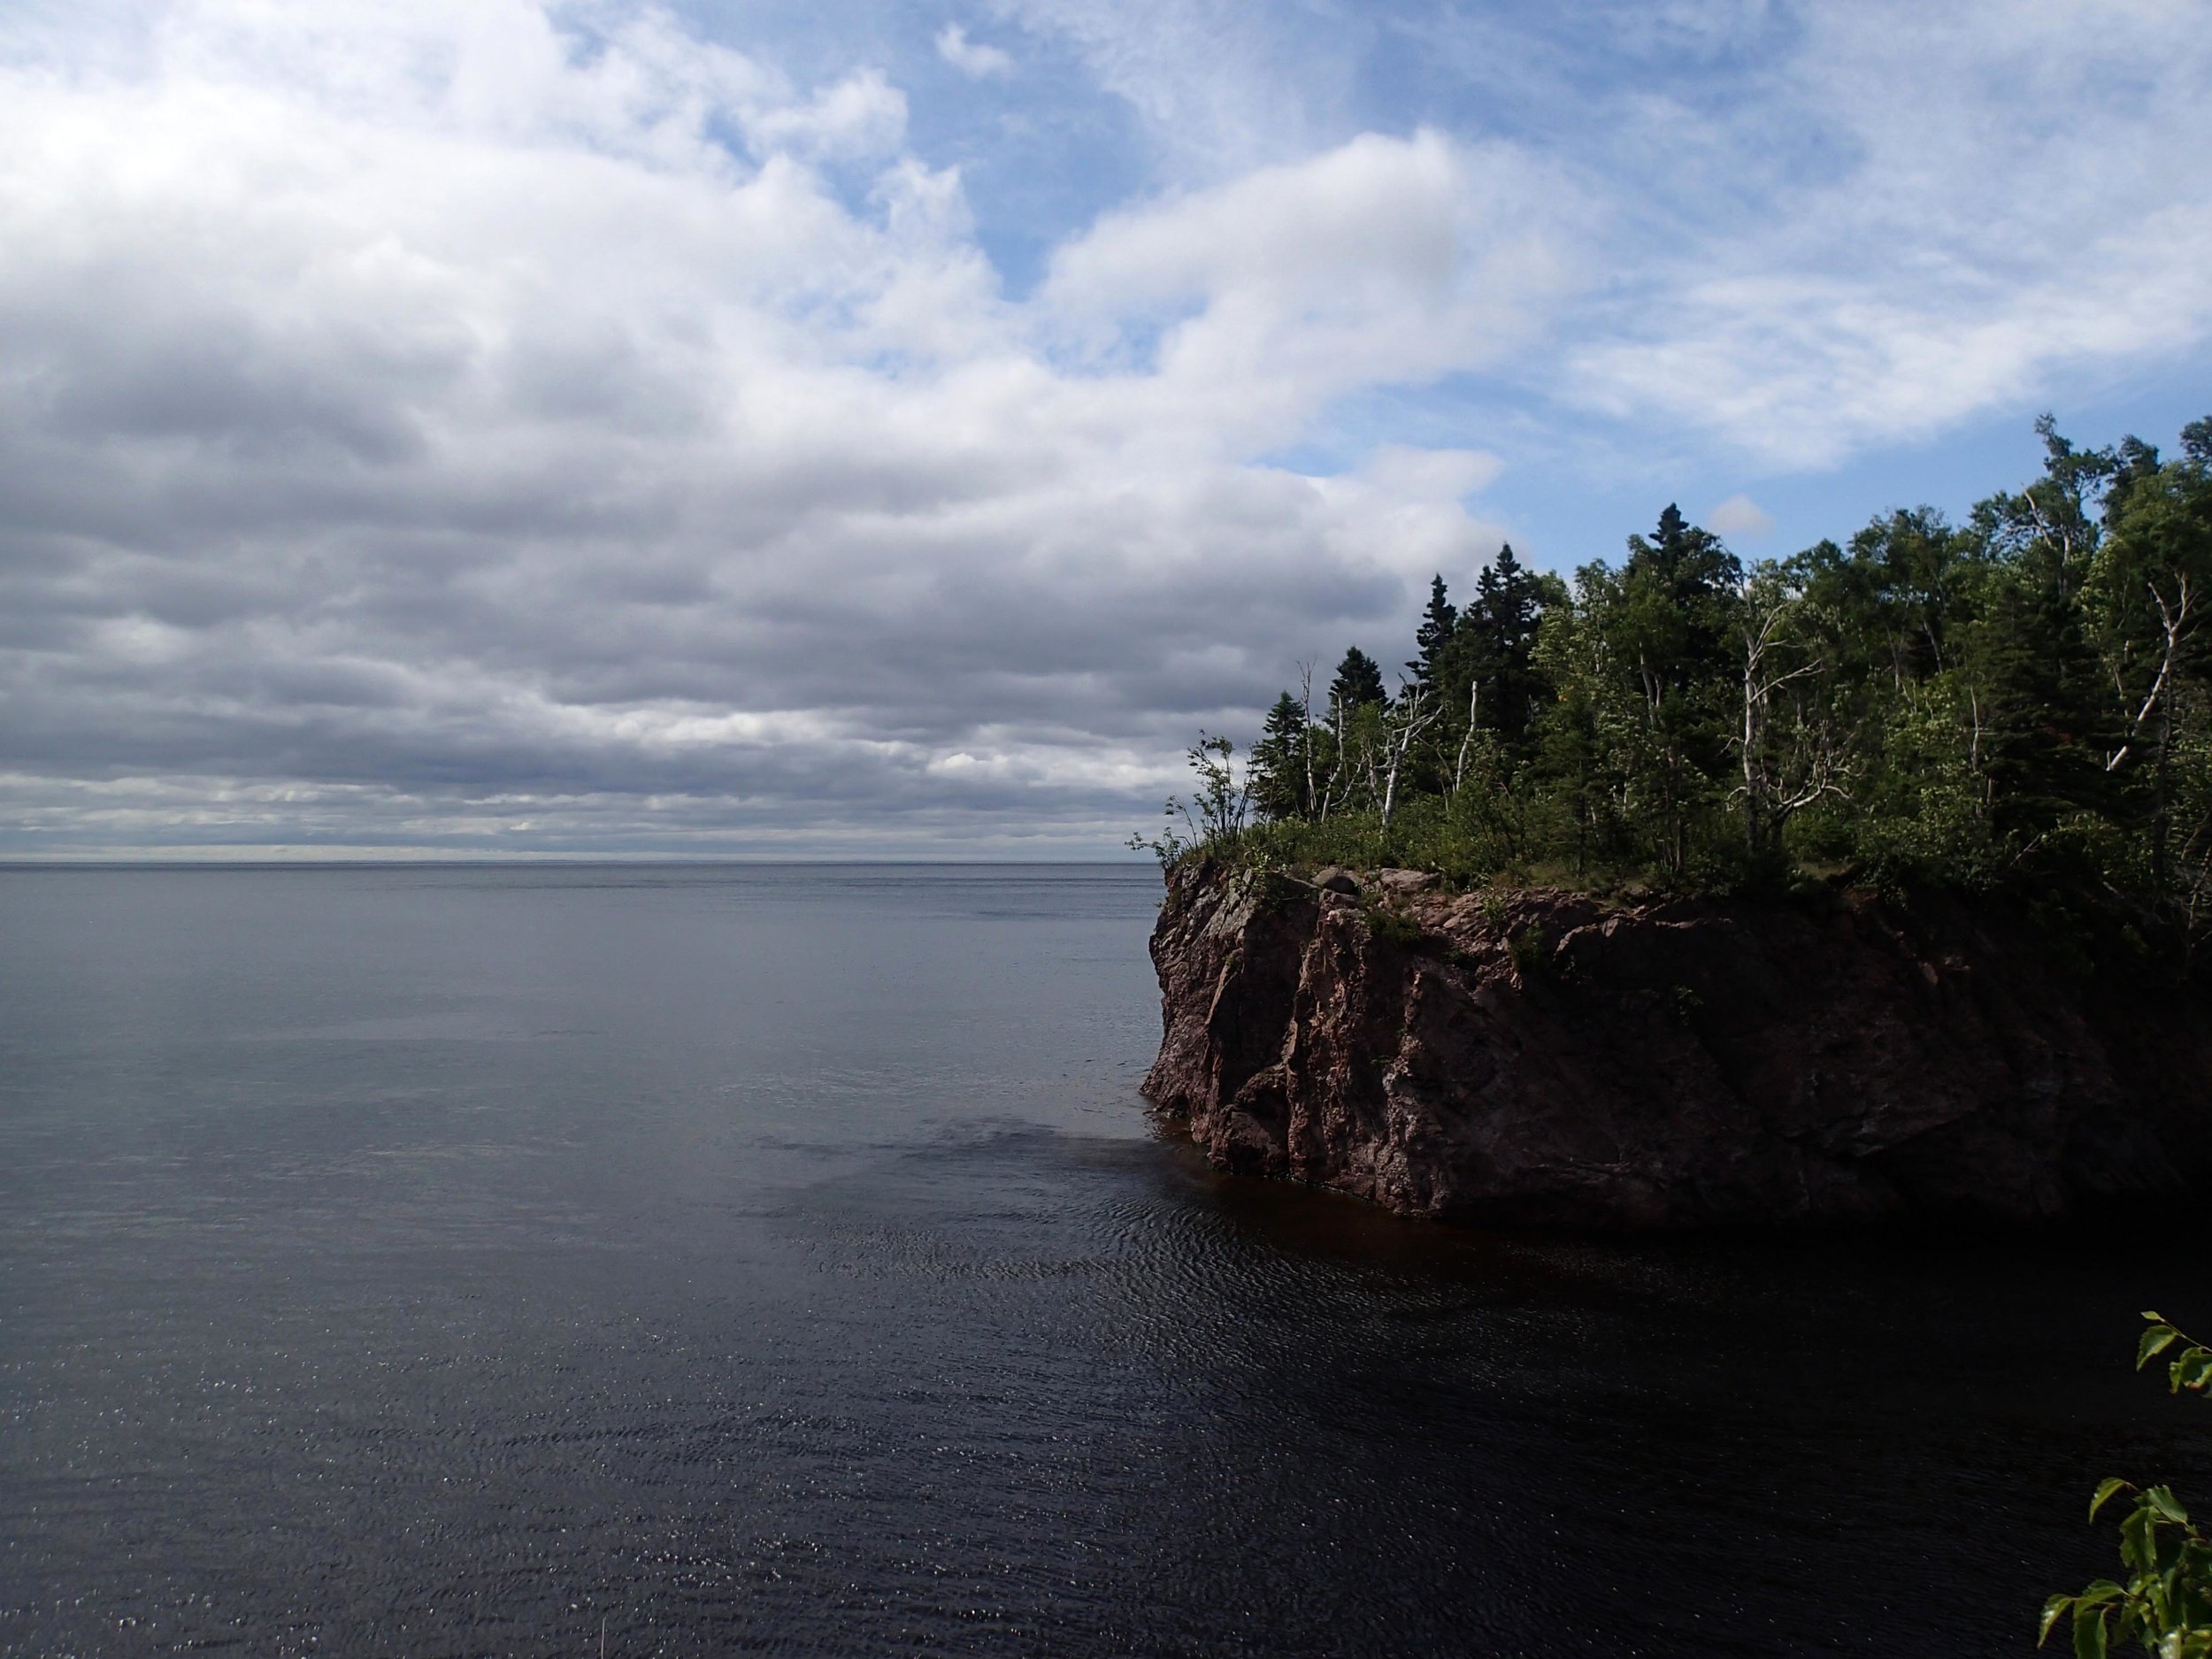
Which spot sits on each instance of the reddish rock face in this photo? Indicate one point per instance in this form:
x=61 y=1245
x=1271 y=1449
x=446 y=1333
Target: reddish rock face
x=1536 y=1058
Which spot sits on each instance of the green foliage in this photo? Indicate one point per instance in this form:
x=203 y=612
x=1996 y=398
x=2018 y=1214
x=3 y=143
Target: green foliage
x=1212 y=819
x=2024 y=700
x=2166 y=1604
x=1529 y=948
x=1395 y=928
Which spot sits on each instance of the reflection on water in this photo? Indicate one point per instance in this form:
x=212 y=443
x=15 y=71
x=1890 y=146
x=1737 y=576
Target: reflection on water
x=444 y=1261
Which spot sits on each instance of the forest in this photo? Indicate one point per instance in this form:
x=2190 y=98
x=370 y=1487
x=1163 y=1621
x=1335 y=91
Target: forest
x=2021 y=701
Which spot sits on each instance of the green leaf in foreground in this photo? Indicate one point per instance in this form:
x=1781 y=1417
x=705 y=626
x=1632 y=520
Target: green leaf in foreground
x=2166 y=1604
x=2156 y=1340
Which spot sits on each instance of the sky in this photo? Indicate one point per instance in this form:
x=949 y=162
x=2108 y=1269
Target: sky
x=831 y=429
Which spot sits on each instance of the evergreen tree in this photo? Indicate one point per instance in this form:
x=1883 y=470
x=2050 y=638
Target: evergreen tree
x=2040 y=735
x=1358 y=685
x=1666 y=622
x=1499 y=630
x=1433 y=638
x=1278 y=763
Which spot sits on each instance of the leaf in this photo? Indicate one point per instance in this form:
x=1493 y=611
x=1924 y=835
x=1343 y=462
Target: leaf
x=2162 y=1499
x=2088 y=1632
x=2138 y=1539
x=2157 y=1339
x=2192 y=1370
x=2054 y=1610
x=2106 y=1487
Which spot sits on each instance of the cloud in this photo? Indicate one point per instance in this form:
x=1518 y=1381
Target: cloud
x=1217 y=87
x=1881 y=236
x=1382 y=261
x=860 y=116
x=1815 y=229
x=976 y=60
x=636 y=450
x=1741 y=516
x=518 y=425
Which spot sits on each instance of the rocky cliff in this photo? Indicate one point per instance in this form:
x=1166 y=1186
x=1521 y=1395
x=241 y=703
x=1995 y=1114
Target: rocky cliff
x=1541 y=1059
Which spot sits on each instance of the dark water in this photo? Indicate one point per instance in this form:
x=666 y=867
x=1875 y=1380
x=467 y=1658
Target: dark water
x=443 y=1262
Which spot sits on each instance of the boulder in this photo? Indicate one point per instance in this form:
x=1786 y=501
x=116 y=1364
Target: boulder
x=1398 y=883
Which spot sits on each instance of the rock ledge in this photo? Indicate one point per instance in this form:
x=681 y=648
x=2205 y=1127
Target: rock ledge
x=1537 y=1058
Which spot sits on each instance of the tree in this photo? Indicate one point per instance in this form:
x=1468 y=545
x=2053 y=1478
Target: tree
x=1898 y=597
x=2024 y=701
x=2051 y=527
x=1665 y=621
x=1412 y=714
x=1433 y=638
x=1493 y=668
x=1215 y=812
x=1579 y=735
x=2042 y=727
x=1358 y=685
x=1789 y=758
x=2145 y=595
x=1279 y=763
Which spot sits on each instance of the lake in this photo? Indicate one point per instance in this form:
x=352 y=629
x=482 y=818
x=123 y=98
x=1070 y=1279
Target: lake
x=460 y=1260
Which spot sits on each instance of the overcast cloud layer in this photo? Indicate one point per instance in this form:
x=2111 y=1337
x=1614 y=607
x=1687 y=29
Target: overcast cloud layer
x=521 y=429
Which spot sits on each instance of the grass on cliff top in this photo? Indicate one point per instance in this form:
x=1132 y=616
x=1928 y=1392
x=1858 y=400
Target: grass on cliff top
x=1425 y=834
x=2086 y=930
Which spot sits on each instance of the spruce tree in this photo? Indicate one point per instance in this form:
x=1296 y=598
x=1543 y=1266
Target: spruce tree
x=1502 y=623
x=1433 y=638
x=1279 y=761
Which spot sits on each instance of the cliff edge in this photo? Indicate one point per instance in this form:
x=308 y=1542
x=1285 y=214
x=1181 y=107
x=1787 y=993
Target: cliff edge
x=1539 y=1058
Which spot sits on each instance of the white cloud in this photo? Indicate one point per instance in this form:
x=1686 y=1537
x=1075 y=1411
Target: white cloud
x=861 y=117
x=1741 y=516
x=1384 y=260
x=976 y=60
x=1987 y=195
x=1430 y=475
x=1810 y=229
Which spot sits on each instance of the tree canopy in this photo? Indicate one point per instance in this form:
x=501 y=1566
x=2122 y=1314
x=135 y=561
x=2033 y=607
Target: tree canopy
x=2026 y=697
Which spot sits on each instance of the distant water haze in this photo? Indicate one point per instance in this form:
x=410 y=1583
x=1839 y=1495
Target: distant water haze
x=446 y=1261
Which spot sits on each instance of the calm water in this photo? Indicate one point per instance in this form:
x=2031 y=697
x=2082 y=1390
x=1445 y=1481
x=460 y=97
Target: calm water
x=449 y=1261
